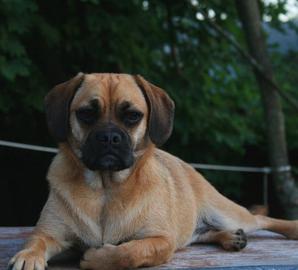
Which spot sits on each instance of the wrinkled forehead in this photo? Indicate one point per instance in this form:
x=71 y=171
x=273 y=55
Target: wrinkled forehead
x=109 y=90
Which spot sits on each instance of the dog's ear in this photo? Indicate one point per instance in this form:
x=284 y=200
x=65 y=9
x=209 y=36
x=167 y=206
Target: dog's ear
x=57 y=104
x=161 y=111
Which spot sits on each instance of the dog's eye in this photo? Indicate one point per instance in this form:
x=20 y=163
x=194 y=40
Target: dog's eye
x=132 y=117
x=87 y=115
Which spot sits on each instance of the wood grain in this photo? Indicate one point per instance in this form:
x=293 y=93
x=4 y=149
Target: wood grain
x=263 y=249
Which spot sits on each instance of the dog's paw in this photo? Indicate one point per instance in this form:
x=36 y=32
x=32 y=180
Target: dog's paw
x=235 y=241
x=27 y=259
x=106 y=258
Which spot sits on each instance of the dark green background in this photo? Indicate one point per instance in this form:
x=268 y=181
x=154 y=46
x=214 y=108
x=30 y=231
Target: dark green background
x=219 y=113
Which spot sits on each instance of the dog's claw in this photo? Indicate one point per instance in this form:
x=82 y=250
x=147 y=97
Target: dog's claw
x=241 y=240
x=240 y=232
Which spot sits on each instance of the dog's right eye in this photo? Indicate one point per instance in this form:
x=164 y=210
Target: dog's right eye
x=87 y=115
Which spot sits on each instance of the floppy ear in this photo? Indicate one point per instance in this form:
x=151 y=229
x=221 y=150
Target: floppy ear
x=57 y=103
x=161 y=111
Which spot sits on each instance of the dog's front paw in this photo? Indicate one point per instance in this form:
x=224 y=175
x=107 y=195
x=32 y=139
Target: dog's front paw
x=27 y=259
x=108 y=257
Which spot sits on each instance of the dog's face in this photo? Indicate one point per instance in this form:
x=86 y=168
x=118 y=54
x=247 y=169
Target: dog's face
x=109 y=118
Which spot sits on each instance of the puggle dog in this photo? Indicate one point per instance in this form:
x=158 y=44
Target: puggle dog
x=111 y=189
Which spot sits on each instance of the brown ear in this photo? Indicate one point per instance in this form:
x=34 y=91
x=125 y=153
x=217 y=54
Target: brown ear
x=161 y=111
x=57 y=103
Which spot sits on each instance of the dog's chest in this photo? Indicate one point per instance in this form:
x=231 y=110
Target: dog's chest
x=85 y=222
x=119 y=223
x=102 y=221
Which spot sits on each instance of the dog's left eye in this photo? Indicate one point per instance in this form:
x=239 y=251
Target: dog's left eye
x=132 y=117
x=87 y=115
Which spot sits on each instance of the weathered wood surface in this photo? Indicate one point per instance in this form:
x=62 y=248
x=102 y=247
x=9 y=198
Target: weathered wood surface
x=265 y=250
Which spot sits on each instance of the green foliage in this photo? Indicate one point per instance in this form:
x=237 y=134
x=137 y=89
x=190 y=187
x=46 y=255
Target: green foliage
x=218 y=114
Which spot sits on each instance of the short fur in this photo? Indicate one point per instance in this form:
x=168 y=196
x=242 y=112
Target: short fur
x=138 y=216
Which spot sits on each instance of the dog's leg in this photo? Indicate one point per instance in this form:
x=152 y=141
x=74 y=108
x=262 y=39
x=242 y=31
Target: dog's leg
x=286 y=227
x=133 y=254
x=225 y=215
x=36 y=253
x=238 y=217
x=47 y=239
x=229 y=240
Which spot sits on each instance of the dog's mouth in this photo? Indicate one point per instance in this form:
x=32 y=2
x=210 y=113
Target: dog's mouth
x=111 y=162
x=107 y=162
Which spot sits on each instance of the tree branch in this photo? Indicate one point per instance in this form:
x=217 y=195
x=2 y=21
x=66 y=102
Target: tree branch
x=250 y=59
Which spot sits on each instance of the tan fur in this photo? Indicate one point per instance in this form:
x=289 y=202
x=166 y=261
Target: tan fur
x=138 y=216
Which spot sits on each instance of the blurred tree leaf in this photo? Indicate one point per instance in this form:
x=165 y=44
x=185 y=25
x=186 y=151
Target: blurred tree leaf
x=218 y=114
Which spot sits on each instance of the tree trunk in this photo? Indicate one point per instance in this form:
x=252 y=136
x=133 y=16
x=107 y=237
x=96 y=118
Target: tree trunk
x=284 y=183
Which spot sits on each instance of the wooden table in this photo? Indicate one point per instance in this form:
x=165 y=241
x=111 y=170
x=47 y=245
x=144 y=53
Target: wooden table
x=264 y=251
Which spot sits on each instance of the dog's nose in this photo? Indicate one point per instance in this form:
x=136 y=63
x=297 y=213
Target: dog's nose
x=110 y=137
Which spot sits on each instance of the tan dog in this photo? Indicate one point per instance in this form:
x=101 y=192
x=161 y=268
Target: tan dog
x=112 y=190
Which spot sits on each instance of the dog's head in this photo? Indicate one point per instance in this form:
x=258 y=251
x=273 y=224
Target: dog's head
x=109 y=118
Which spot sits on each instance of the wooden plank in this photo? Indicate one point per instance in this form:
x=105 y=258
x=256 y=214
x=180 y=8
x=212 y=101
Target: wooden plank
x=265 y=250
